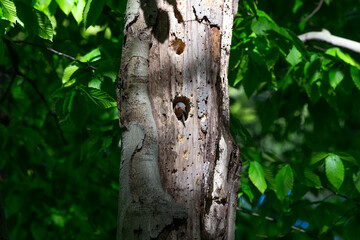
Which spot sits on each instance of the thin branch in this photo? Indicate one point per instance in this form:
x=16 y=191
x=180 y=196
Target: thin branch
x=14 y=61
x=274 y=220
x=314 y=11
x=327 y=37
x=13 y=75
x=58 y=53
x=54 y=115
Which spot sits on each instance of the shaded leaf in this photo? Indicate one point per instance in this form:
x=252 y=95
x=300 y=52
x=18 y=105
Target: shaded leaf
x=311 y=179
x=45 y=29
x=246 y=189
x=318 y=157
x=355 y=75
x=356 y=179
x=99 y=97
x=92 y=11
x=284 y=182
x=335 y=77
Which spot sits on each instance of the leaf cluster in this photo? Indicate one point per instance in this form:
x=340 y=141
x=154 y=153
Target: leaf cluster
x=59 y=131
x=294 y=113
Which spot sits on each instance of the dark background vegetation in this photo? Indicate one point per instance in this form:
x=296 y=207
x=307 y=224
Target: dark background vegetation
x=294 y=112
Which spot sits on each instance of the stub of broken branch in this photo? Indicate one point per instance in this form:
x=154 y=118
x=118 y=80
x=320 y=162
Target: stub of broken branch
x=327 y=37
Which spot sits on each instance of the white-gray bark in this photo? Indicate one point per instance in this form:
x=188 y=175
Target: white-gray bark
x=177 y=181
x=327 y=37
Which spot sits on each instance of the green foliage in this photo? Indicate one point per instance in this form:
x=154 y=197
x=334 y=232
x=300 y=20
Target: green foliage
x=294 y=111
x=256 y=174
x=59 y=130
x=334 y=170
x=284 y=182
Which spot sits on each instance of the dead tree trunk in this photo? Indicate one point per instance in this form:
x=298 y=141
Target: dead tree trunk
x=179 y=176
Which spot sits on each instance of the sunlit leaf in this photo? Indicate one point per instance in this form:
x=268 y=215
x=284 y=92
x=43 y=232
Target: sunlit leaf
x=334 y=169
x=337 y=52
x=66 y=5
x=294 y=56
x=256 y=174
x=91 y=56
x=8 y=10
x=68 y=72
x=78 y=9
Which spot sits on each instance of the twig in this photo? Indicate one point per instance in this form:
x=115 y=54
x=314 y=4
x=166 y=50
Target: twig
x=325 y=36
x=273 y=220
x=16 y=71
x=314 y=11
x=57 y=53
x=54 y=115
x=14 y=61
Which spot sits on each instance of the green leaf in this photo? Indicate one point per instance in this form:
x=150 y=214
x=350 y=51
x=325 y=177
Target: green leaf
x=284 y=182
x=246 y=189
x=37 y=231
x=311 y=179
x=356 y=179
x=294 y=56
x=334 y=169
x=68 y=104
x=65 y=5
x=8 y=10
x=347 y=157
x=92 y=11
x=336 y=52
x=99 y=97
x=45 y=28
x=91 y=56
x=318 y=157
x=335 y=77
x=41 y=5
x=95 y=83
x=78 y=9
x=68 y=72
x=270 y=179
x=256 y=174
x=355 y=75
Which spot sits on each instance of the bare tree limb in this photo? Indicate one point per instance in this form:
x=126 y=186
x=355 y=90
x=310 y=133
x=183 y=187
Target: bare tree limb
x=327 y=37
x=274 y=220
x=57 y=53
x=314 y=11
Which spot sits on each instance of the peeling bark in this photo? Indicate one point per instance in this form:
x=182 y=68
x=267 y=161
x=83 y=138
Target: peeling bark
x=177 y=181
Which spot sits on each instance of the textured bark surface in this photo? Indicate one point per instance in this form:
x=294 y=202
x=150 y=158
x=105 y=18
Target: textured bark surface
x=176 y=181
